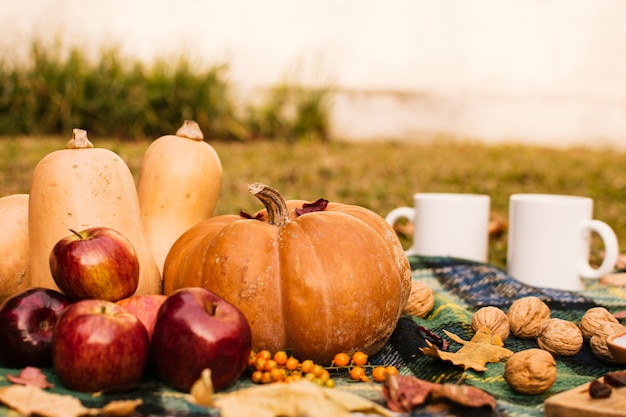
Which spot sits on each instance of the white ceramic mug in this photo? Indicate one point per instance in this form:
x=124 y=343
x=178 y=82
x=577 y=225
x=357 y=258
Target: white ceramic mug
x=549 y=241
x=447 y=224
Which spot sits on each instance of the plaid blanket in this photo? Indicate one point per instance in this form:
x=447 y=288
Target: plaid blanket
x=461 y=287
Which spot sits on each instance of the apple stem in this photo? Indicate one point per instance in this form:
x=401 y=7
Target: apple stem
x=76 y=233
x=213 y=308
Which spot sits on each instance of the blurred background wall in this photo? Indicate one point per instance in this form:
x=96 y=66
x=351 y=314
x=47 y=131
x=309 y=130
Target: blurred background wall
x=537 y=71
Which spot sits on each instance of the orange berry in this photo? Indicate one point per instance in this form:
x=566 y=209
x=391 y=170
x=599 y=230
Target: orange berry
x=265 y=354
x=256 y=377
x=292 y=363
x=391 y=370
x=341 y=359
x=307 y=366
x=325 y=376
x=359 y=358
x=317 y=370
x=259 y=364
x=358 y=374
x=266 y=378
x=379 y=374
x=269 y=365
x=251 y=358
x=277 y=374
x=280 y=357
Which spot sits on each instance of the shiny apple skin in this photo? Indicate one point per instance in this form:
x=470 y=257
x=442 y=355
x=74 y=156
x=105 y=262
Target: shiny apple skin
x=27 y=321
x=145 y=307
x=98 y=345
x=197 y=329
x=98 y=263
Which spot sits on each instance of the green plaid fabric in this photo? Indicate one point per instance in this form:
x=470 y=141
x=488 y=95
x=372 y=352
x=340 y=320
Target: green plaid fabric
x=461 y=287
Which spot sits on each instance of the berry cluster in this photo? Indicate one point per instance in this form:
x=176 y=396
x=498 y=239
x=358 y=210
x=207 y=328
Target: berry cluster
x=281 y=367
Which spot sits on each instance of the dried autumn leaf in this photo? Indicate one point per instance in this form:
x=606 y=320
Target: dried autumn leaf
x=202 y=390
x=294 y=400
x=31 y=400
x=30 y=376
x=465 y=395
x=483 y=348
x=403 y=393
x=119 y=408
x=28 y=399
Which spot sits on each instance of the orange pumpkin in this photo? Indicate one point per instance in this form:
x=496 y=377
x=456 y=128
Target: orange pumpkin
x=316 y=280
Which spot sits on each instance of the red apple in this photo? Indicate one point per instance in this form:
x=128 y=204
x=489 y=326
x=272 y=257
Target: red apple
x=27 y=321
x=98 y=345
x=145 y=307
x=98 y=262
x=197 y=329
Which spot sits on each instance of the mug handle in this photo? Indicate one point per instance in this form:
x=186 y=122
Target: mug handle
x=400 y=213
x=611 y=251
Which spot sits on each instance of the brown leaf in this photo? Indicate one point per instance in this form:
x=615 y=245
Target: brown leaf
x=484 y=347
x=30 y=376
x=29 y=399
x=404 y=393
x=295 y=399
x=318 y=205
x=465 y=395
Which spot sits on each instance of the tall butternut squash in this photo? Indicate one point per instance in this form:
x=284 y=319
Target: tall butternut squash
x=13 y=245
x=80 y=187
x=179 y=184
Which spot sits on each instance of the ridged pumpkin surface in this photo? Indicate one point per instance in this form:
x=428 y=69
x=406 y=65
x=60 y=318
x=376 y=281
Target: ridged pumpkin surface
x=320 y=283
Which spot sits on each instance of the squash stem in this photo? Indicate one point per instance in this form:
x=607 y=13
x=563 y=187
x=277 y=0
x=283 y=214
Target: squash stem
x=190 y=130
x=277 y=210
x=79 y=140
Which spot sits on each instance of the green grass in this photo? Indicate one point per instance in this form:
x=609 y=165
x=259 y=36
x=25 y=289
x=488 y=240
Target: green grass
x=381 y=175
x=59 y=86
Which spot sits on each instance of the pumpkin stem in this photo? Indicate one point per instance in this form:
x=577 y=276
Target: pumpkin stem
x=277 y=211
x=79 y=140
x=190 y=130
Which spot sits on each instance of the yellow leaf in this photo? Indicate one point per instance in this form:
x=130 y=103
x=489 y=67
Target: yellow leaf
x=294 y=400
x=30 y=400
x=484 y=347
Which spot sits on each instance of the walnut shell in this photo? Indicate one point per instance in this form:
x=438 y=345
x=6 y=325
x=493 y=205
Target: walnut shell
x=493 y=318
x=593 y=319
x=560 y=337
x=421 y=300
x=598 y=341
x=530 y=371
x=526 y=315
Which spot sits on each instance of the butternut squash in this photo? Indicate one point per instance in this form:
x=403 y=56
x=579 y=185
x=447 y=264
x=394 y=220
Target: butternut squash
x=179 y=184
x=80 y=187
x=13 y=245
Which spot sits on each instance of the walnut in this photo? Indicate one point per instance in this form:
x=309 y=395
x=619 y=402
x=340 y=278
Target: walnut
x=493 y=318
x=560 y=337
x=598 y=341
x=530 y=371
x=421 y=300
x=525 y=316
x=593 y=318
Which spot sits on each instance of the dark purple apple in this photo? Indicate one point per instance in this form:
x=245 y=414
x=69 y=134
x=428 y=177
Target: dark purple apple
x=197 y=329
x=98 y=345
x=98 y=262
x=27 y=321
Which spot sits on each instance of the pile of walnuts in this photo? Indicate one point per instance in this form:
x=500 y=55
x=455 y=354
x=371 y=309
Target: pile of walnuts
x=533 y=371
